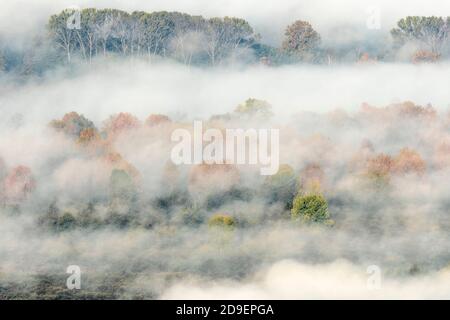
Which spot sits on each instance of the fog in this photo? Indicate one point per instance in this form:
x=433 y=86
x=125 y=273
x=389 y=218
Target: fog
x=373 y=139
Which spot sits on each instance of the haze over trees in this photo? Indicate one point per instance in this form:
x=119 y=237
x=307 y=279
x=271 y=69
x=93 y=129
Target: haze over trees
x=429 y=33
x=97 y=186
x=301 y=41
x=110 y=185
x=302 y=191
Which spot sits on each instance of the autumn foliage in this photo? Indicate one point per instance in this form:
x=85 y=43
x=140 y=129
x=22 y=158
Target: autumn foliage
x=422 y=56
x=213 y=177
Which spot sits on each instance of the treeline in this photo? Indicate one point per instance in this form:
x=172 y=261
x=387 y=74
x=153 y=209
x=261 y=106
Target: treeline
x=74 y=36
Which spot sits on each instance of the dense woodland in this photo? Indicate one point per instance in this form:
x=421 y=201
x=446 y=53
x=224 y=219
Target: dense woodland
x=80 y=36
x=213 y=220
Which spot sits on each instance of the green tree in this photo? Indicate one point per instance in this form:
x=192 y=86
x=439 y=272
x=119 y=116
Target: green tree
x=431 y=32
x=301 y=40
x=310 y=208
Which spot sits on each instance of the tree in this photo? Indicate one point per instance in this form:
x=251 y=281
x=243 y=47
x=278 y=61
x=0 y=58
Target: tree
x=312 y=177
x=122 y=185
x=408 y=161
x=380 y=167
x=424 y=56
x=62 y=35
x=431 y=32
x=103 y=29
x=225 y=36
x=88 y=135
x=409 y=109
x=121 y=122
x=254 y=107
x=2 y=63
x=301 y=40
x=310 y=208
x=190 y=39
x=205 y=179
x=281 y=187
x=87 y=36
x=157 y=119
x=115 y=161
x=186 y=43
x=72 y=124
x=222 y=221
x=3 y=169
